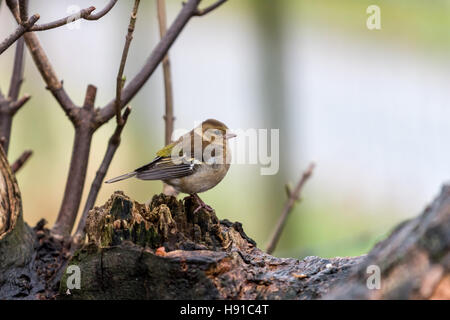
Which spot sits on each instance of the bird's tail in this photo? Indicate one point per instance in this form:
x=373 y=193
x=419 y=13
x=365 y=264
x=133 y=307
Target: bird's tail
x=122 y=177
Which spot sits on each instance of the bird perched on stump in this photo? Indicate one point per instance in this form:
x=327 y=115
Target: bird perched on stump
x=195 y=163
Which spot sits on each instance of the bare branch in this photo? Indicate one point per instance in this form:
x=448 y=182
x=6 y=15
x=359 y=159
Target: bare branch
x=168 y=91
x=83 y=14
x=21 y=29
x=16 y=105
x=89 y=98
x=51 y=79
x=14 y=8
x=5 y=122
x=293 y=197
x=113 y=144
x=23 y=10
x=84 y=130
x=104 y=11
x=202 y=12
x=17 y=73
x=45 y=68
x=18 y=164
x=9 y=106
x=120 y=79
x=157 y=55
x=169 y=115
x=86 y=14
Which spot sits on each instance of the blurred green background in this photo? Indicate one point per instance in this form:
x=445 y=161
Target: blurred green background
x=370 y=108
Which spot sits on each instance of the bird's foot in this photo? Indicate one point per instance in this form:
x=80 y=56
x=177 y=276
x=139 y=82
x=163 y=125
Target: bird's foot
x=201 y=204
x=204 y=206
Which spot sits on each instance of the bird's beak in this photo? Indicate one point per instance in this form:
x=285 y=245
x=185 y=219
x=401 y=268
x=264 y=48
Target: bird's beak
x=230 y=135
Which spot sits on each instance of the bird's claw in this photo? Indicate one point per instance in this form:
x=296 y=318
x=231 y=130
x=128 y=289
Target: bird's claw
x=203 y=206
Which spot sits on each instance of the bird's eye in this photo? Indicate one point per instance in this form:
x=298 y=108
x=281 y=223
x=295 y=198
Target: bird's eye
x=217 y=132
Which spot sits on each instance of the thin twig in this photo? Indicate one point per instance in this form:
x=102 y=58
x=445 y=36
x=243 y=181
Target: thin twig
x=18 y=164
x=49 y=75
x=168 y=91
x=104 y=11
x=202 y=12
x=17 y=73
x=9 y=106
x=120 y=79
x=16 y=105
x=113 y=144
x=23 y=10
x=293 y=196
x=20 y=30
x=169 y=115
x=82 y=14
x=86 y=14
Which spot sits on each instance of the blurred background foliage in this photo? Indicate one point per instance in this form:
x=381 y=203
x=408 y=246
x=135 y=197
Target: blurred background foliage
x=369 y=107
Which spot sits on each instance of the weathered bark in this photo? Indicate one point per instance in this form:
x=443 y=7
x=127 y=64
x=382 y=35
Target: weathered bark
x=28 y=257
x=16 y=239
x=164 y=251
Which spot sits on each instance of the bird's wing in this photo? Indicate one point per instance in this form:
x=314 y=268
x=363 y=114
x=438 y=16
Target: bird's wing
x=167 y=150
x=163 y=168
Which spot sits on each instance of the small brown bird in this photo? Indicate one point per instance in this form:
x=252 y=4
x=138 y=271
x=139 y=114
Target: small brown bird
x=195 y=163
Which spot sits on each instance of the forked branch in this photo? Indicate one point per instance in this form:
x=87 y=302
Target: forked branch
x=82 y=14
x=86 y=14
x=293 y=196
x=10 y=105
x=20 y=30
x=113 y=144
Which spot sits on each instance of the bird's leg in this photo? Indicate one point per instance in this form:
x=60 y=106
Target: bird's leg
x=201 y=203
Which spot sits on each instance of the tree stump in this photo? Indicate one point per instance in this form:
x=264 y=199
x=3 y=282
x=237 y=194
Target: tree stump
x=165 y=251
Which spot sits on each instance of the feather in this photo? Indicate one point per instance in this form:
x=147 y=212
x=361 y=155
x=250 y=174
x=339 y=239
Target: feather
x=165 y=169
x=122 y=177
x=167 y=150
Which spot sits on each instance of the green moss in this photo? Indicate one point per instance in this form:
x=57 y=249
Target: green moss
x=107 y=235
x=121 y=209
x=143 y=237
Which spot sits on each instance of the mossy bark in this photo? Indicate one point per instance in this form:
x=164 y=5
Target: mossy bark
x=165 y=251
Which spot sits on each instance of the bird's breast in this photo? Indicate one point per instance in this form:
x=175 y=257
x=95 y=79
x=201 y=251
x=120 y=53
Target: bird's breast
x=205 y=177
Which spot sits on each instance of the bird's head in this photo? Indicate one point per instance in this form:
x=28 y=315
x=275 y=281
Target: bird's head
x=213 y=130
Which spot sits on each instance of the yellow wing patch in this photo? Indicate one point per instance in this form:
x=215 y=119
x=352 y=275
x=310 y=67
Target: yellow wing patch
x=166 y=151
